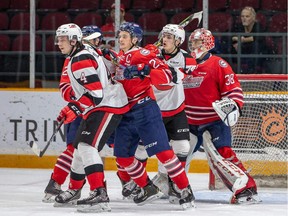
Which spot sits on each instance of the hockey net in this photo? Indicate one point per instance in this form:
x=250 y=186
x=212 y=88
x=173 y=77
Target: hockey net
x=260 y=135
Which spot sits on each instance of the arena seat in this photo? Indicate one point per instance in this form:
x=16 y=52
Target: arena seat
x=153 y=21
x=53 y=20
x=278 y=23
x=4 y=5
x=52 y=5
x=22 y=43
x=220 y=22
x=21 y=21
x=214 y=6
x=88 y=18
x=19 y=5
x=4 y=24
x=83 y=5
x=274 y=6
x=5 y=42
x=240 y=4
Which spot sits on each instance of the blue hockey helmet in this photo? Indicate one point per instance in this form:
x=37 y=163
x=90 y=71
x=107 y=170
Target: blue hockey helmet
x=133 y=29
x=91 y=29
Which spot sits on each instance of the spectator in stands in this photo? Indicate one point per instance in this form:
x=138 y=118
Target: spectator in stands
x=109 y=28
x=249 y=44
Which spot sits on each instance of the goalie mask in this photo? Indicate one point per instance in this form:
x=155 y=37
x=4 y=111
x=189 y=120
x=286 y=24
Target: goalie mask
x=200 y=41
x=173 y=29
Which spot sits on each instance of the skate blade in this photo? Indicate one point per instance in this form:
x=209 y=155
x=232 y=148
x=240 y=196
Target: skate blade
x=71 y=204
x=48 y=198
x=99 y=207
x=151 y=199
x=254 y=199
x=173 y=200
x=190 y=205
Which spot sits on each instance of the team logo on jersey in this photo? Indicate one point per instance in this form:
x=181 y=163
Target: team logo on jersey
x=222 y=63
x=192 y=82
x=273 y=127
x=145 y=52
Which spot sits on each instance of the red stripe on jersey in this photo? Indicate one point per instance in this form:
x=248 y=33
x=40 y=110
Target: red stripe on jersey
x=84 y=64
x=101 y=128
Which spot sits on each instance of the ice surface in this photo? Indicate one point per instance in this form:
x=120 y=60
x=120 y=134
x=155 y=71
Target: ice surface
x=21 y=191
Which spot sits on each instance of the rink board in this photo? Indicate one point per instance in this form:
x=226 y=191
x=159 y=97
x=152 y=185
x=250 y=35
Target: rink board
x=30 y=114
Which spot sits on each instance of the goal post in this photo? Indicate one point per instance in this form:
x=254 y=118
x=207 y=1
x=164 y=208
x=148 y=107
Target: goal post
x=260 y=135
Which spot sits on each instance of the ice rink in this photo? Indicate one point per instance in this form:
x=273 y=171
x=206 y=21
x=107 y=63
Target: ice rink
x=22 y=190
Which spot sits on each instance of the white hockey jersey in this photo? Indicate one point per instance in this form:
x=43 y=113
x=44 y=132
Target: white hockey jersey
x=91 y=82
x=170 y=98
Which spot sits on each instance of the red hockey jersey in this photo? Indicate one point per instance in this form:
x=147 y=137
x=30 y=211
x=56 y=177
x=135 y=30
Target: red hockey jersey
x=136 y=88
x=212 y=80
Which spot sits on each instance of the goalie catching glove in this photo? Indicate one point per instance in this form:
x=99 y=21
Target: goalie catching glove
x=70 y=112
x=139 y=70
x=227 y=110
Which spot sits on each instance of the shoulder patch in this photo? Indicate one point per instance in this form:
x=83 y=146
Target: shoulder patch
x=145 y=52
x=222 y=63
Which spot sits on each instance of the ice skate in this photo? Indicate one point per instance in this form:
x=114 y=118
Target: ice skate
x=174 y=192
x=51 y=191
x=187 y=198
x=128 y=188
x=248 y=196
x=97 y=201
x=67 y=198
x=148 y=194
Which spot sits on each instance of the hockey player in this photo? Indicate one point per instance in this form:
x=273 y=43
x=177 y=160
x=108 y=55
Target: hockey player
x=212 y=88
x=170 y=99
x=101 y=102
x=140 y=69
x=62 y=167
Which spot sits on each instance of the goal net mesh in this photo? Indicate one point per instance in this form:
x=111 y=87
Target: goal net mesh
x=260 y=135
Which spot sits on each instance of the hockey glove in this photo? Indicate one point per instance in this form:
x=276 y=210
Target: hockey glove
x=227 y=110
x=110 y=55
x=70 y=112
x=139 y=70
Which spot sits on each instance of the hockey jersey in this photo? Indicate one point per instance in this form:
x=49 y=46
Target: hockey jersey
x=136 y=88
x=170 y=98
x=91 y=85
x=212 y=80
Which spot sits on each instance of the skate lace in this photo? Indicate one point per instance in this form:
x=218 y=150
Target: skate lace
x=68 y=194
x=141 y=193
x=131 y=185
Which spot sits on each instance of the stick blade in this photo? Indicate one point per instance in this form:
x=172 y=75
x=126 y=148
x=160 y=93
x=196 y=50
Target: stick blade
x=35 y=148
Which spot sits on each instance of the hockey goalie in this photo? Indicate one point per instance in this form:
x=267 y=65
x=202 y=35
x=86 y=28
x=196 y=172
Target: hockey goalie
x=214 y=98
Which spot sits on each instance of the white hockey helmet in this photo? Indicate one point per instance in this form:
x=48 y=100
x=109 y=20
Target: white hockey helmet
x=174 y=29
x=208 y=42
x=71 y=30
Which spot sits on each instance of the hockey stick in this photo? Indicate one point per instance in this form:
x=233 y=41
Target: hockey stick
x=232 y=176
x=185 y=22
x=36 y=149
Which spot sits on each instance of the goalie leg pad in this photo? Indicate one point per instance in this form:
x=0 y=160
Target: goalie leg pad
x=229 y=154
x=232 y=176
